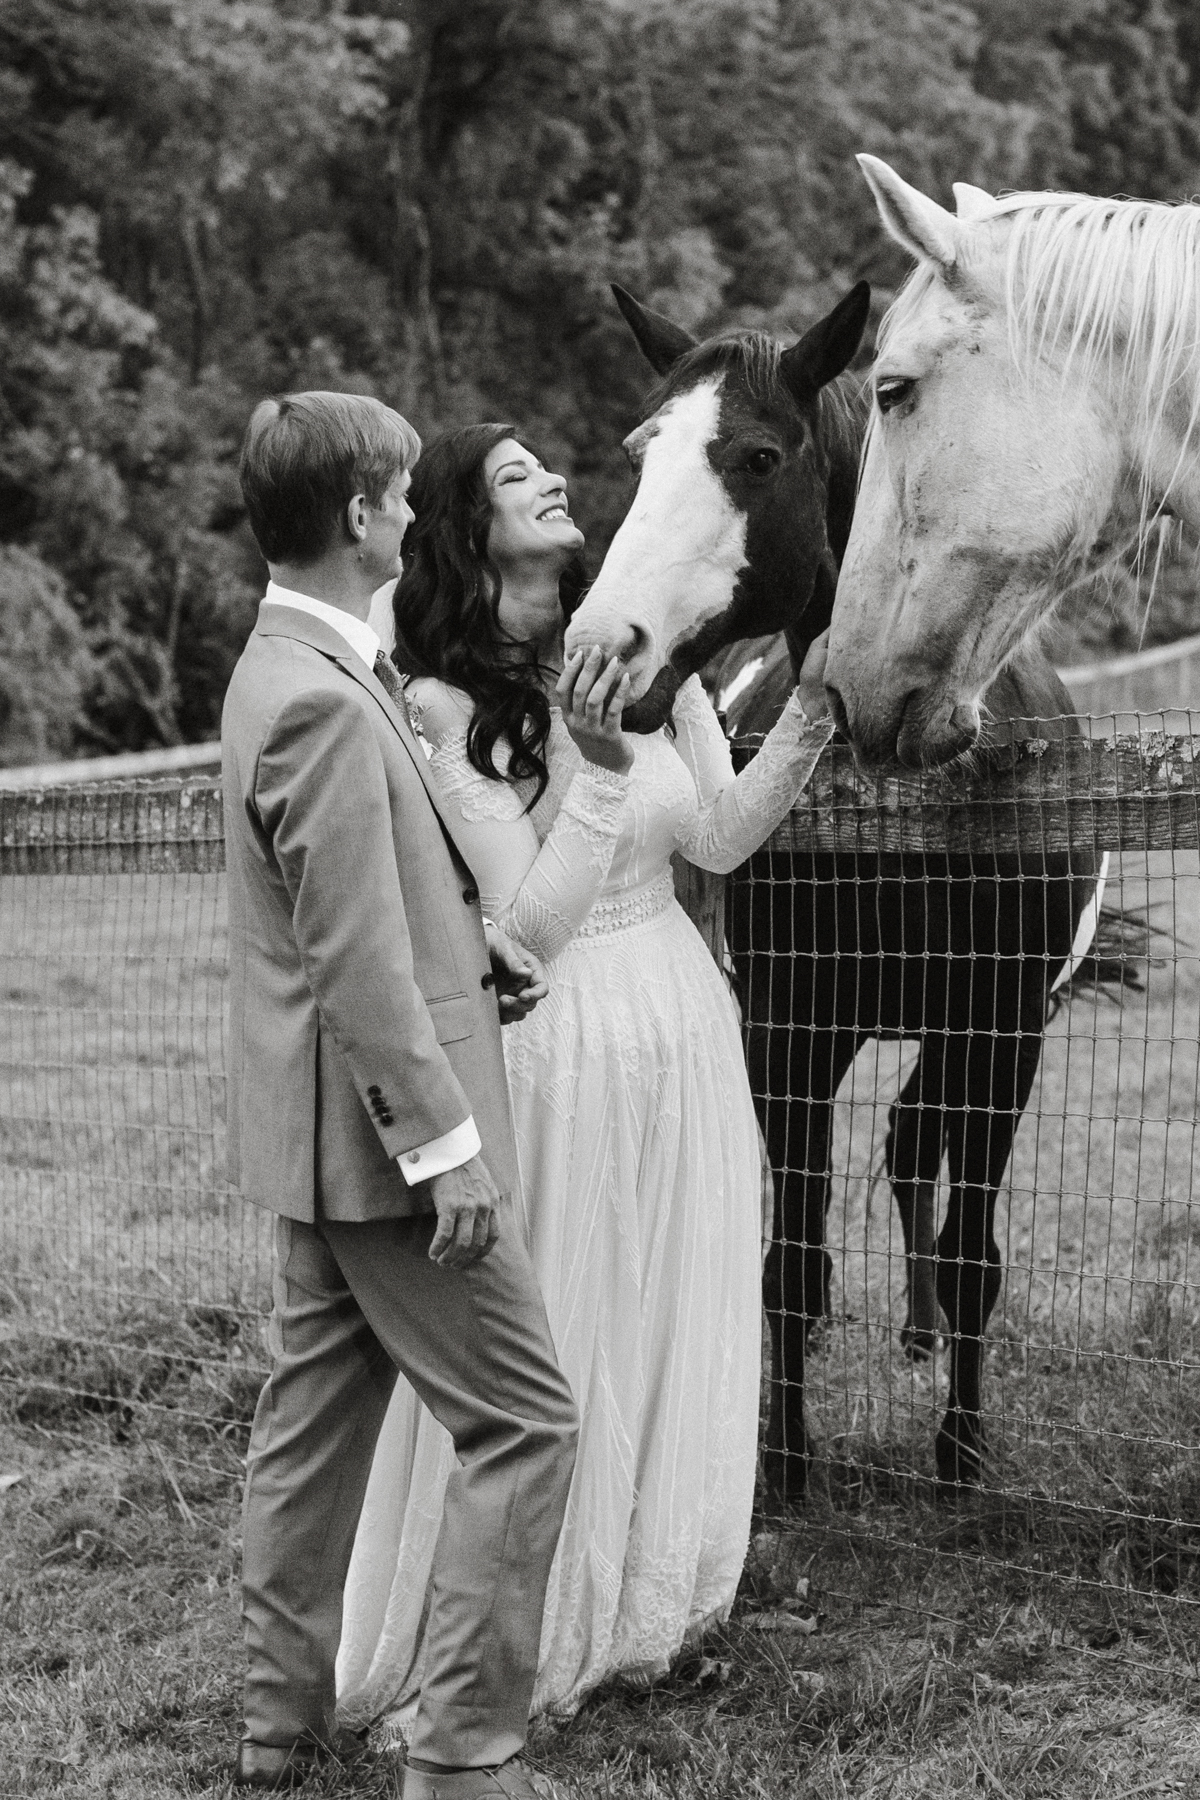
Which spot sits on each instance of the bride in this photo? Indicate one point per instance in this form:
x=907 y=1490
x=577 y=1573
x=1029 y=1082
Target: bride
x=635 y=1129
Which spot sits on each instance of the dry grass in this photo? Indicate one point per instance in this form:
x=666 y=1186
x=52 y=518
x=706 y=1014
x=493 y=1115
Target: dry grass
x=881 y=1675
x=1041 y=1639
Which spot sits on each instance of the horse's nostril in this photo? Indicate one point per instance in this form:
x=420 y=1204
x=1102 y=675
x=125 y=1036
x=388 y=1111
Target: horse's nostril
x=965 y=720
x=837 y=709
x=626 y=643
x=638 y=643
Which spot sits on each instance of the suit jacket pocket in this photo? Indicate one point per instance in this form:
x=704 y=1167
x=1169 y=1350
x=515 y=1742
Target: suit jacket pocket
x=452 y=1018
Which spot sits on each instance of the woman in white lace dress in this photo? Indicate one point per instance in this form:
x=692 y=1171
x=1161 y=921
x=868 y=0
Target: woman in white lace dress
x=635 y=1129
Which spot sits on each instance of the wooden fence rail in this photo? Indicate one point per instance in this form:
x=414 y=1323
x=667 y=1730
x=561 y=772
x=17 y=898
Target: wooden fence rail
x=1122 y=793
x=1126 y=793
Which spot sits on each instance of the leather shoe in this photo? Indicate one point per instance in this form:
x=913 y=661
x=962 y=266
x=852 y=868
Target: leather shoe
x=513 y=1780
x=280 y=1766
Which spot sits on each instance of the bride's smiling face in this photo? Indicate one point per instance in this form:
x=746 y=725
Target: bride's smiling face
x=531 y=525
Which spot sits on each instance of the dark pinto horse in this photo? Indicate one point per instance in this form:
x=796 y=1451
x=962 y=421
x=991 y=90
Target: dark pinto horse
x=747 y=462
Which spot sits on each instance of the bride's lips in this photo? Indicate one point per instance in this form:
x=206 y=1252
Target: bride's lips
x=558 y=513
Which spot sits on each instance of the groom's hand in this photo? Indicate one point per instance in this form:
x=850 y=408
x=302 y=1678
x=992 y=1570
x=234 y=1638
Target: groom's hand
x=466 y=1199
x=520 y=978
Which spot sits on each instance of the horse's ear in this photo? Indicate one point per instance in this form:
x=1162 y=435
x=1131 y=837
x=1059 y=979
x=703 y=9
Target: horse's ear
x=660 y=342
x=914 y=220
x=828 y=346
x=972 y=203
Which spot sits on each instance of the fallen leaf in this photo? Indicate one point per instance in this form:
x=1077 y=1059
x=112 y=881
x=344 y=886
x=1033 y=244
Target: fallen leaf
x=712 y=1670
x=781 y=1621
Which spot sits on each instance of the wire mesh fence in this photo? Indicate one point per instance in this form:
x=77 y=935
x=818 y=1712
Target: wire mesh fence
x=131 y=1276
x=895 y=945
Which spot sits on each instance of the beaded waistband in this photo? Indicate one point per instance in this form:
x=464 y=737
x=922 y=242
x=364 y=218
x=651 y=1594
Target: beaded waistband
x=620 y=911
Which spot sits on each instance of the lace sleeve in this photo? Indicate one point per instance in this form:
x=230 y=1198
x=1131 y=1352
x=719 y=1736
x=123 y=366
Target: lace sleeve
x=539 y=895
x=738 y=812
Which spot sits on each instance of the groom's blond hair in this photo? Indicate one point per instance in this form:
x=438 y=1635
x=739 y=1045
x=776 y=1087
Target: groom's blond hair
x=305 y=456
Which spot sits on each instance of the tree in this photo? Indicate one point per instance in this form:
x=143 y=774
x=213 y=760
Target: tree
x=46 y=667
x=427 y=200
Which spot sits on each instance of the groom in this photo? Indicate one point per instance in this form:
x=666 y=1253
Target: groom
x=368 y=1111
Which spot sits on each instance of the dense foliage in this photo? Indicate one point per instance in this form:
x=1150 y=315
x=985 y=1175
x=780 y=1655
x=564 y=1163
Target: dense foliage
x=205 y=200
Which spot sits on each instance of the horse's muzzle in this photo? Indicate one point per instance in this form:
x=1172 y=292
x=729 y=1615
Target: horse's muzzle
x=930 y=734
x=919 y=730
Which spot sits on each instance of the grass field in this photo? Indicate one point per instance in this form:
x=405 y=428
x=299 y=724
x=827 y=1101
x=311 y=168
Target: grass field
x=1037 y=1640
x=847 y=1669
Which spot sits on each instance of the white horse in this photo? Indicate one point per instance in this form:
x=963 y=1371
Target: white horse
x=1037 y=408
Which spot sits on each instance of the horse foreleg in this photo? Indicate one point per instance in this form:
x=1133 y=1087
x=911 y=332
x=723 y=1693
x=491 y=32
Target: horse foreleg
x=913 y=1154
x=999 y=1075
x=794 y=1076
x=795 y=1289
x=968 y=1284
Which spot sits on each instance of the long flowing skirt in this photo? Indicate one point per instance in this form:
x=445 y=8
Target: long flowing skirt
x=641 y=1198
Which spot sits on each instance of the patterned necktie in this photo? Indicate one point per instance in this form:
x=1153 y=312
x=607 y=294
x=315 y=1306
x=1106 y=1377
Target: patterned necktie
x=386 y=675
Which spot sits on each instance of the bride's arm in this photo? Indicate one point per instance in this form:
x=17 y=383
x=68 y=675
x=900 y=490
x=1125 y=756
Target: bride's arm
x=738 y=812
x=538 y=895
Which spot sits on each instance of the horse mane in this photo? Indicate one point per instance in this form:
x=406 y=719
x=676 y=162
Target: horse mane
x=1108 y=287
x=753 y=355
x=843 y=408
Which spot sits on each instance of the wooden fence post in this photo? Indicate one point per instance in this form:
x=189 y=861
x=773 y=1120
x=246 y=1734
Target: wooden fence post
x=702 y=897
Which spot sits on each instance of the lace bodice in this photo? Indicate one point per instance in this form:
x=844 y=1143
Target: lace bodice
x=595 y=836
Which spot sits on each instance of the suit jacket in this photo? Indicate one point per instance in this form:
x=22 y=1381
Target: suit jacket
x=362 y=1017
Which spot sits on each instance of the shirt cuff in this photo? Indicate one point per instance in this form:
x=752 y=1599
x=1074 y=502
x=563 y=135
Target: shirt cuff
x=450 y=1151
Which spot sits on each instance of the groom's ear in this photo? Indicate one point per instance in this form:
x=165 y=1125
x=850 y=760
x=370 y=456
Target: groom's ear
x=354 y=518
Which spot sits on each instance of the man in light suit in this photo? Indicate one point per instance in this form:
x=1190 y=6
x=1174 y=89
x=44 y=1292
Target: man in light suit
x=368 y=1110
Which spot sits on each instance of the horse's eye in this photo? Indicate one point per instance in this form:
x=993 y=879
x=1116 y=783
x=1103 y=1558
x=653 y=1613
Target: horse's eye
x=762 y=462
x=893 y=391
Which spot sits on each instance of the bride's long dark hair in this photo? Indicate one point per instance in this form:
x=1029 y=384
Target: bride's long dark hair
x=446 y=600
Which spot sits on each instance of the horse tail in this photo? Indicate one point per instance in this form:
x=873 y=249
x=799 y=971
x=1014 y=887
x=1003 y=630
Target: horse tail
x=1117 y=957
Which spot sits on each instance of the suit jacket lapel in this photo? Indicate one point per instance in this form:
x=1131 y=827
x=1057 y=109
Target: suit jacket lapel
x=285 y=621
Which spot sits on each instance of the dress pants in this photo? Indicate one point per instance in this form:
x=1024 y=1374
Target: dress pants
x=354 y=1303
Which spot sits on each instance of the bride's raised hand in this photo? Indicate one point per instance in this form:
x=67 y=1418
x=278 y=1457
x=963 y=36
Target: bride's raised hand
x=593 y=696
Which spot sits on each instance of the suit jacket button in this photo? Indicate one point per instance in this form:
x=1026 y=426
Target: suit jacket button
x=374 y=1092
x=414 y=1156
x=488 y=981
x=471 y=895
x=385 y=1118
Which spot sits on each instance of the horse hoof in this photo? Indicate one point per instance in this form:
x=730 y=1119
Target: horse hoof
x=919 y=1345
x=959 y=1456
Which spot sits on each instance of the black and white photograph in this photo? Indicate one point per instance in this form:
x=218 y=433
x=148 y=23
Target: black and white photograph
x=600 y=899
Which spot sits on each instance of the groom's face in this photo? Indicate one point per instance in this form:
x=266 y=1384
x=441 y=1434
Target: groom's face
x=386 y=525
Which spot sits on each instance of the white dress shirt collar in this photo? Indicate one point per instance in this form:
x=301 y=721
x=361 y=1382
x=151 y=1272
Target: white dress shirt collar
x=355 y=632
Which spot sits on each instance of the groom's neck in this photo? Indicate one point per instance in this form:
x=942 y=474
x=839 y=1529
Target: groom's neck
x=336 y=579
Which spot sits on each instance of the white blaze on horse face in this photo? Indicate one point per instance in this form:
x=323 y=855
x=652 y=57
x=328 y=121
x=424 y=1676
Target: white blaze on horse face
x=675 y=560
x=983 y=486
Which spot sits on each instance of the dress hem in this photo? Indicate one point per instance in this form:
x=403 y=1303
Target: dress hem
x=395 y=1728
